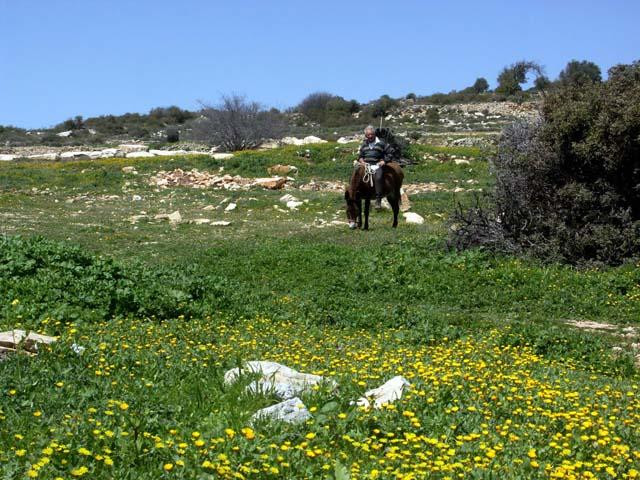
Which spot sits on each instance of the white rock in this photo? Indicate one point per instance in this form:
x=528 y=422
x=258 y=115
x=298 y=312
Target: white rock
x=292 y=204
x=460 y=161
x=132 y=147
x=274 y=373
x=201 y=221
x=167 y=153
x=290 y=411
x=232 y=206
x=136 y=198
x=209 y=207
x=283 y=391
x=288 y=198
x=112 y=152
x=137 y=218
x=311 y=139
x=389 y=392
x=128 y=169
x=74 y=155
x=291 y=141
x=44 y=156
x=139 y=155
x=411 y=217
x=7 y=157
x=220 y=223
x=65 y=134
x=174 y=217
x=221 y=156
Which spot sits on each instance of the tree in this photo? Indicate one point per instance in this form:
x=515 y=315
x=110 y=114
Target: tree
x=481 y=85
x=567 y=185
x=323 y=107
x=237 y=124
x=382 y=107
x=542 y=83
x=512 y=77
x=580 y=73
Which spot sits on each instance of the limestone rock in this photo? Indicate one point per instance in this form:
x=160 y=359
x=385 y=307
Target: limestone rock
x=293 y=205
x=405 y=203
x=132 y=147
x=461 y=161
x=220 y=223
x=167 y=153
x=201 y=221
x=68 y=133
x=44 y=156
x=288 y=198
x=282 y=169
x=231 y=207
x=16 y=339
x=275 y=183
x=128 y=169
x=139 y=155
x=75 y=155
x=222 y=156
x=175 y=217
x=275 y=373
x=290 y=411
x=209 y=207
x=111 y=152
x=7 y=157
x=389 y=392
x=411 y=217
x=283 y=391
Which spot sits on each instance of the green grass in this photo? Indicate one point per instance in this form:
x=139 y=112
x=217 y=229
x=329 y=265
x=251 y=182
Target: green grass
x=164 y=310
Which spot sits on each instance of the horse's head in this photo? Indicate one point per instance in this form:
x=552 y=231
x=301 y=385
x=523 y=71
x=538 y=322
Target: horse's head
x=352 y=213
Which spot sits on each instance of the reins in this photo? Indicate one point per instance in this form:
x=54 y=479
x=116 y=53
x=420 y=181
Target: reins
x=368 y=174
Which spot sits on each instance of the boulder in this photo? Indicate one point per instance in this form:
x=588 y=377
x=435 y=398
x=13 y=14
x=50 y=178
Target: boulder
x=221 y=156
x=167 y=153
x=411 y=217
x=311 y=139
x=175 y=217
x=112 y=152
x=7 y=157
x=75 y=155
x=132 y=147
x=275 y=373
x=44 y=156
x=68 y=133
x=282 y=169
x=389 y=392
x=405 y=204
x=290 y=411
x=232 y=206
x=16 y=339
x=275 y=183
x=139 y=155
x=293 y=205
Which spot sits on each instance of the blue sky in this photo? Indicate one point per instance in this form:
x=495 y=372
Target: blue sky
x=61 y=58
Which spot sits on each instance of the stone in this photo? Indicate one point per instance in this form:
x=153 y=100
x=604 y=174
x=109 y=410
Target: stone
x=67 y=133
x=220 y=223
x=132 y=147
x=282 y=169
x=112 y=152
x=461 y=161
x=289 y=411
x=136 y=198
x=288 y=198
x=311 y=139
x=389 y=392
x=16 y=339
x=167 y=153
x=7 y=157
x=139 y=155
x=44 y=156
x=74 y=155
x=222 y=156
x=293 y=205
x=201 y=221
x=414 y=218
x=231 y=207
x=405 y=203
x=283 y=391
x=175 y=217
x=275 y=183
x=128 y=169
x=137 y=218
x=209 y=207
x=274 y=373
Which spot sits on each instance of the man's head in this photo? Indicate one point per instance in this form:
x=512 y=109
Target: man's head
x=370 y=133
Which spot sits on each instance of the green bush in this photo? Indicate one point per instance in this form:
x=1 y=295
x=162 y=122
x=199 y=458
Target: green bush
x=567 y=186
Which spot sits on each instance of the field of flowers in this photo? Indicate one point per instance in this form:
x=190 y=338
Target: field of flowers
x=146 y=400
x=502 y=387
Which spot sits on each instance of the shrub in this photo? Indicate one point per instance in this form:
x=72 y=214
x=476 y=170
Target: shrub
x=237 y=124
x=580 y=73
x=325 y=108
x=567 y=185
x=173 y=135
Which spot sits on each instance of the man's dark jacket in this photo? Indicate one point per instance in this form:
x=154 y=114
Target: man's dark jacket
x=375 y=151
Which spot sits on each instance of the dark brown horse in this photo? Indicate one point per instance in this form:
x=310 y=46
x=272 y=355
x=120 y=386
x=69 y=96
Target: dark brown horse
x=359 y=190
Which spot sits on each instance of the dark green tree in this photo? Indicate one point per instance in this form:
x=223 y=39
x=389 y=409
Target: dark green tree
x=513 y=76
x=580 y=72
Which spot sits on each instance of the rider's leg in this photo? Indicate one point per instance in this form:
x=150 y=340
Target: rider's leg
x=378 y=181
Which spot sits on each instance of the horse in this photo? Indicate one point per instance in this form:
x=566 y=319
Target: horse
x=361 y=187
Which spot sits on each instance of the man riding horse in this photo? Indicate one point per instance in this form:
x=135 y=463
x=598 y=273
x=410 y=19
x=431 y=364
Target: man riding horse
x=374 y=152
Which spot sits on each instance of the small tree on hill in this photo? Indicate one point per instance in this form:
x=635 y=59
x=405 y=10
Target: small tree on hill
x=512 y=77
x=237 y=124
x=481 y=85
x=580 y=73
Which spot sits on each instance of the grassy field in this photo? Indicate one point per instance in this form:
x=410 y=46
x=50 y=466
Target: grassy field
x=502 y=385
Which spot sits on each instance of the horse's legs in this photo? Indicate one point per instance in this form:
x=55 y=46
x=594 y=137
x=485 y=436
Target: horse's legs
x=367 y=204
x=395 y=207
x=359 y=211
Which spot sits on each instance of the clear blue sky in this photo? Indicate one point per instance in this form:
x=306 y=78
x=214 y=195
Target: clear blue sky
x=61 y=58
